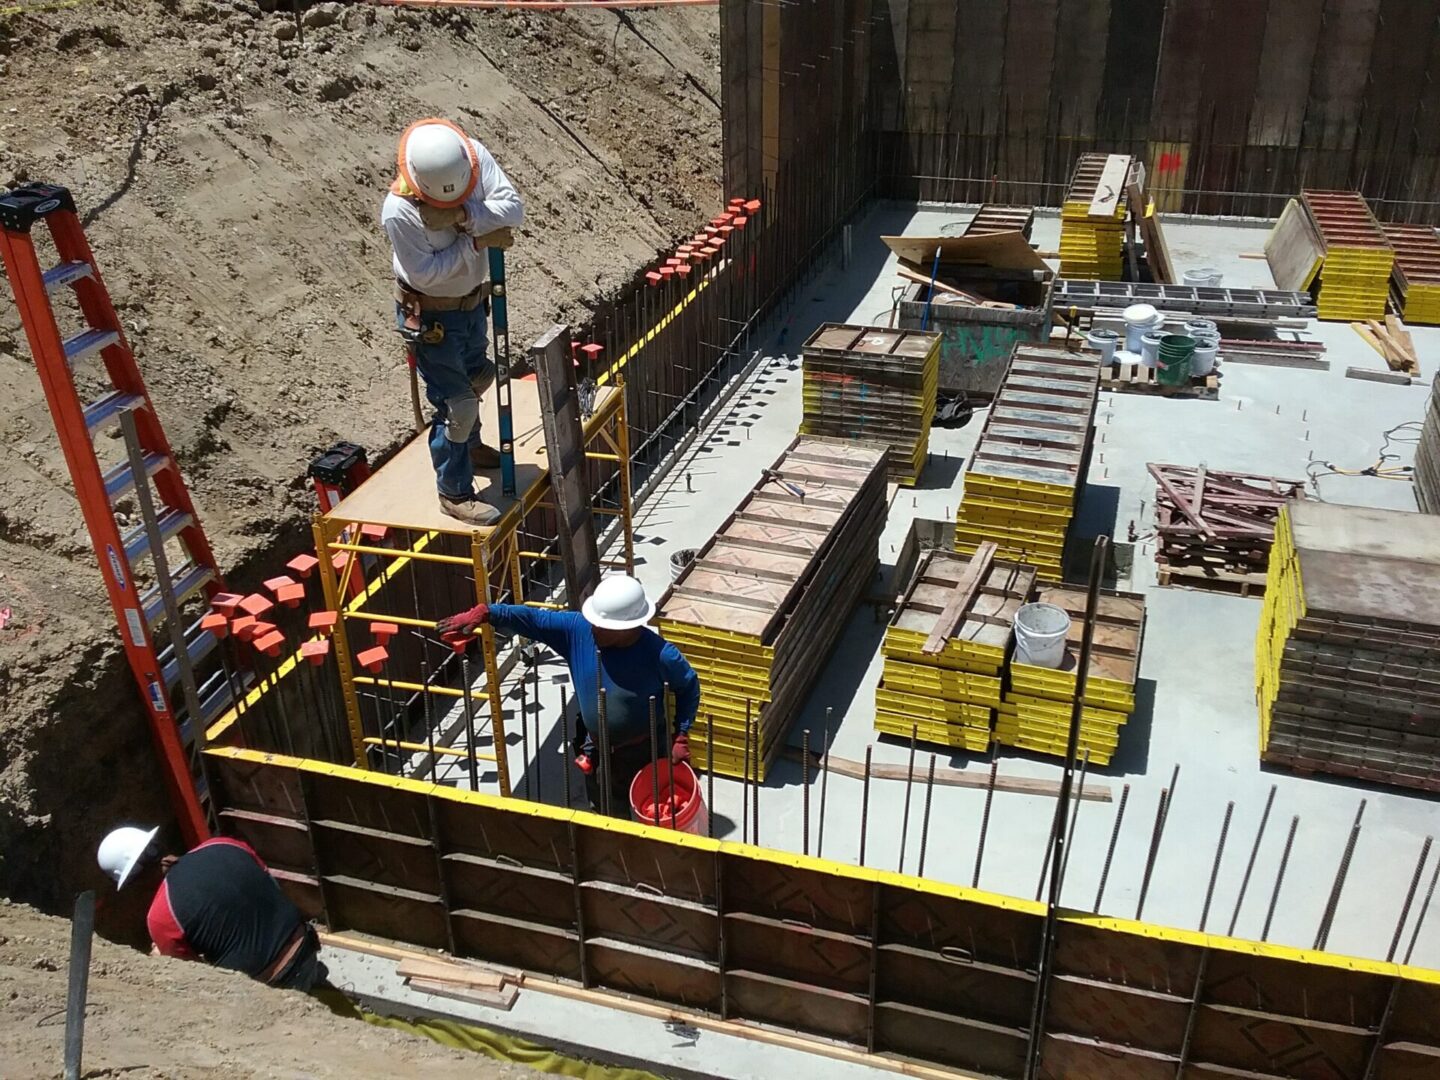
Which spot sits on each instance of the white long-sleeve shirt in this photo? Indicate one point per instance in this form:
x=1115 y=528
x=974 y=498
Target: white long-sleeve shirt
x=444 y=262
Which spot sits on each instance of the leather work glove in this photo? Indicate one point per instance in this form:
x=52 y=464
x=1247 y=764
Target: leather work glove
x=500 y=238
x=680 y=749
x=456 y=630
x=438 y=218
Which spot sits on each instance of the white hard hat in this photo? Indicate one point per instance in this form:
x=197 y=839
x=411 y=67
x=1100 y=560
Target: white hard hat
x=122 y=851
x=618 y=603
x=437 y=161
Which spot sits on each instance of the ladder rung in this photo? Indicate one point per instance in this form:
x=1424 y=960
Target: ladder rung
x=212 y=707
x=199 y=645
x=110 y=406
x=194 y=578
x=66 y=273
x=82 y=345
x=137 y=541
x=119 y=480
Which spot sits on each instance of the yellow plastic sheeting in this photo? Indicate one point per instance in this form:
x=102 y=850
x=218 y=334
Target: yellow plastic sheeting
x=480 y=1040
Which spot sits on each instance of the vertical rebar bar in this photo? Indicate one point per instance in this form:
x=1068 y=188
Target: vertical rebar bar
x=865 y=804
x=1250 y=865
x=710 y=769
x=534 y=662
x=1110 y=848
x=1424 y=910
x=1162 y=809
x=654 y=766
x=1409 y=899
x=1279 y=878
x=565 y=750
x=909 y=787
x=755 y=798
x=925 y=817
x=745 y=780
x=1215 y=866
x=824 y=784
x=1342 y=873
x=805 y=789
x=602 y=741
x=1074 y=817
x=984 y=823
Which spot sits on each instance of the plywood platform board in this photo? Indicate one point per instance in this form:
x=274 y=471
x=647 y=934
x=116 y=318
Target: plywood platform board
x=759 y=609
x=1415 y=279
x=401 y=493
x=1293 y=249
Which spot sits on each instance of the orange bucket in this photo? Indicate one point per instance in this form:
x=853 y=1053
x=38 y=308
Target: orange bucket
x=690 y=813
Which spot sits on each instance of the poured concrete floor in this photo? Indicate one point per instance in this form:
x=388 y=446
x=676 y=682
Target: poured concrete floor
x=1196 y=707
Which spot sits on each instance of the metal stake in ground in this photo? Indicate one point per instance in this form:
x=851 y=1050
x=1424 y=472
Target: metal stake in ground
x=984 y=823
x=1280 y=878
x=824 y=784
x=865 y=804
x=1110 y=849
x=1250 y=866
x=81 y=932
x=1409 y=899
x=925 y=817
x=805 y=789
x=1322 y=935
x=1215 y=867
x=909 y=787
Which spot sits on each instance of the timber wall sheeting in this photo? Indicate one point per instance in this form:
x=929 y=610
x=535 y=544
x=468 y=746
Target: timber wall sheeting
x=1220 y=98
x=889 y=963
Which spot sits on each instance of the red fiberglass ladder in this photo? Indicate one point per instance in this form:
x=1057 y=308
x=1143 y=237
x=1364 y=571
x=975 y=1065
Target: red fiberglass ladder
x=151 y=569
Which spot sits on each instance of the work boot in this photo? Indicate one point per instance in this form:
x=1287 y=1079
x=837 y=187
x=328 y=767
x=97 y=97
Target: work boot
x=484 y=457
x=471 y=511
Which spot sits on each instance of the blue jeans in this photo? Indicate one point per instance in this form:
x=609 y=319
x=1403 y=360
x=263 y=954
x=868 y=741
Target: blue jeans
x=448 y=368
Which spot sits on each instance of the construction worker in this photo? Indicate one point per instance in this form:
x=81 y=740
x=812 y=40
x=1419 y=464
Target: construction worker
x=448 y=206
x=606 y=644
x=217 y=903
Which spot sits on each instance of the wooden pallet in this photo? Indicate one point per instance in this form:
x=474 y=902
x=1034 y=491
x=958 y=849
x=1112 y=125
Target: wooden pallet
x=1139 y=379
x=1209 y=579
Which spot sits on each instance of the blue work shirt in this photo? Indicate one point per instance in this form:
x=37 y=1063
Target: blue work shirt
x=631 y=674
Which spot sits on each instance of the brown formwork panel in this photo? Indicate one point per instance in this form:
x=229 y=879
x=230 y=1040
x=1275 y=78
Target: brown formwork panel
x=908 y=969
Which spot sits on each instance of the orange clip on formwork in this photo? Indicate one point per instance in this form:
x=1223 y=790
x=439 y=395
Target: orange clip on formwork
x=323 y=622
x=270 y=644
x=315 y=651
x=372 y=660
x=383 y=632
x=303 y=565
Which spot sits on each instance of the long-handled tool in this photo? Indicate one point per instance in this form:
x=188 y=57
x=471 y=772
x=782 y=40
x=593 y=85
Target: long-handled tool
x=500 y=320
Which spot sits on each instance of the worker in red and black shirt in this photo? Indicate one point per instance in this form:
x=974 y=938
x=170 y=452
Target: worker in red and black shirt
x=217 y=903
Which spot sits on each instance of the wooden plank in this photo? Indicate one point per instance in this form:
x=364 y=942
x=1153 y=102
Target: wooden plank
x=1004 y=251
x=503 y=998
x=1399 y=378
x=975 y=572
x=565 y=451
x=1017 y=785
x=449 y=971
x=1157 y=251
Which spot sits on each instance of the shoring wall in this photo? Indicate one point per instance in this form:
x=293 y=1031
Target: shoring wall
x=1233 y=105
x=908 y=969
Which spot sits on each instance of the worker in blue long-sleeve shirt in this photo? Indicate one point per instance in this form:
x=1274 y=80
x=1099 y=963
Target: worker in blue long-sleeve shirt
x=606 y=644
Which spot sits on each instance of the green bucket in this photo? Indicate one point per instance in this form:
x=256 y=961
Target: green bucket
x=1173 y=368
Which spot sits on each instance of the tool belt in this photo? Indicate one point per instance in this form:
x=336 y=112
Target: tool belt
x=281 y=964
x=411 y=300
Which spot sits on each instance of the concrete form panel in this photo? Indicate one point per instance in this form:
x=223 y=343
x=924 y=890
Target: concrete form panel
x=1130 y=66
x=1177 y=101
x=1081 y=45
x=1282 y=89
x=1029 y=73
x=977 y=45
x=1337 y=84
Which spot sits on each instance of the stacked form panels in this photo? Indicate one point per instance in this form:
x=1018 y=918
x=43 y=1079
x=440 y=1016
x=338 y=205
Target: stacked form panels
x=994 y=218
x=1347 y=657
x=1024 y=478
x=1427 y=455
x=874 y=385
x=759 y=609
x=1035 y=712
x=1093 y=245
x=1415 y=280
x=1355 y=275
x=950 y=696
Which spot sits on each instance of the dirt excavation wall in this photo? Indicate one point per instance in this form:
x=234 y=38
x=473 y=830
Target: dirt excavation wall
x=231 y=168
x=1216 y=96
x=866 y=960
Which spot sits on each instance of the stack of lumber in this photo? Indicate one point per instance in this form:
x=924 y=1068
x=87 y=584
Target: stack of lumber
x=999 y=218
x=945 y=648
x=1024 y=478
x=1347 y=657
x=1354 y=279
x=1392 y=341
x=759 y=609
x=1415 y=280
x=1427 y=455
x=1213 y=530
x=1035 y=712
x=1092 y=219
x=874 y=385
x=1142 y=212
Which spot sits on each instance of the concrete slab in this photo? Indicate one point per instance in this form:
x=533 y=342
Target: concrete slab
x=1196 y=707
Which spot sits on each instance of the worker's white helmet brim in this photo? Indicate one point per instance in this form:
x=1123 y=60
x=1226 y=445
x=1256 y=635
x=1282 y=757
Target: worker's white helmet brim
x=437 y=162
x=122 y=850
x=618 y=603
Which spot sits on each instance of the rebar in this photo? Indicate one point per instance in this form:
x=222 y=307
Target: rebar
x=805 y=789
x=602 y=737
x=755 y=799
x=1215 y=867
x=565 y=749
x=1409 y=899
x=1110 y=848
x=745 y=780
x=1279 y=878
x=925 y=817
x=1162 y=809
x=865 y=804
x=984 y=823
x=654 y=766
x=1250 y=865
x=909 y=787
x=710 y=778
x=824 y=784
x=1342 y=873
x=1424 y=910
x=1074 y=818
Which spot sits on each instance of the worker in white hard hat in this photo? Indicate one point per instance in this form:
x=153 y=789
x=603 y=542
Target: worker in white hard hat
x=606 y=644
x=216 y=903
x=450 y=203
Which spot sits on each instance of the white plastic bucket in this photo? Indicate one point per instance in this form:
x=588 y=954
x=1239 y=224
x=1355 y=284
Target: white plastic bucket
x=1150 y=347
x=1040 y=633
x=680 y=562
x=1105 y=341
x=1198 y=328
x=1202 y=360
x=1138 y=319
x=1205 y=277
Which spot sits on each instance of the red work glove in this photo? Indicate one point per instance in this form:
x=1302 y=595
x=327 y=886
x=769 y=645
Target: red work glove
x=584 y=764
x=457 y=629
x=680 y=749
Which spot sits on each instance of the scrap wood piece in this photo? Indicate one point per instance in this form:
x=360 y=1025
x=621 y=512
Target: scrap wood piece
x=1018 y=785
x=960 y=598
x=1157 y=251
x=1397 y=354
x=1179 y=500
x=454 y=971
x=503 y=999
x=939 y=286
x=1398 y=378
